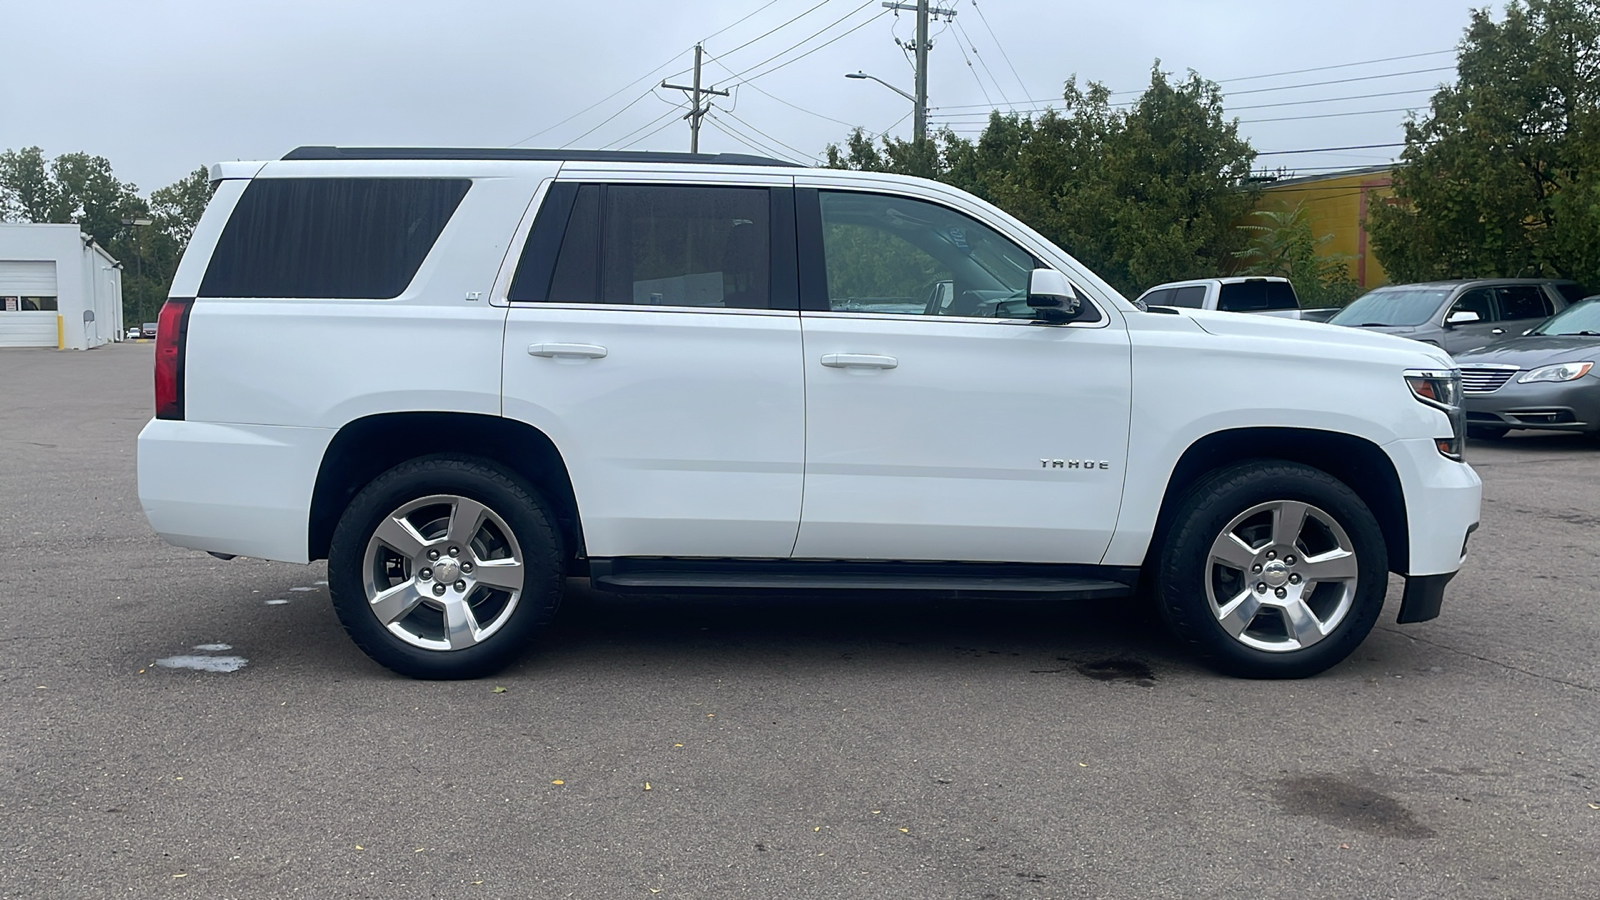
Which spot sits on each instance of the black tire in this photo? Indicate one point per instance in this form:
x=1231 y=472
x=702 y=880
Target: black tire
x=511 y=502
x=1486 y=432
x=1188 y=578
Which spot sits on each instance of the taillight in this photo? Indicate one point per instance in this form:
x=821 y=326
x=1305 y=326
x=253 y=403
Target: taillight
x=172 y=331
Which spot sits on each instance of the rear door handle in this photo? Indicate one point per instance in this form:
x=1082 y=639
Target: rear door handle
x=1498 y=331
x=858 y=361
x=567 y=351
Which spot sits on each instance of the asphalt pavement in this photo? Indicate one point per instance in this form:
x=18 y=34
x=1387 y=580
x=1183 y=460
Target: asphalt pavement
x=743 y=748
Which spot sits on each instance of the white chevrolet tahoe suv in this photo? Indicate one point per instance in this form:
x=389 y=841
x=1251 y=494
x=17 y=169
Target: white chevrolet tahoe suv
x=464 y=376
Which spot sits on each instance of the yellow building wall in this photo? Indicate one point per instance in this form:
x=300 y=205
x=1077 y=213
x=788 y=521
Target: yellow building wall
x=1338 y=206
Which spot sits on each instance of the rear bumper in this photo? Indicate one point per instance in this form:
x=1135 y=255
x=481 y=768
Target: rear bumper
x=233 y=489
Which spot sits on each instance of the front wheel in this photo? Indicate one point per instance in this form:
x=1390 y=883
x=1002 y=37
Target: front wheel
x=1272 y=570
x=445 y=567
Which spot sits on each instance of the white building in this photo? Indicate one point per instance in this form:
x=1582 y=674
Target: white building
x=57 y=289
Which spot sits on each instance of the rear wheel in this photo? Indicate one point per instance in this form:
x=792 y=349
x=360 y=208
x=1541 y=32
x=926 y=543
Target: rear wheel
x=445 y=567
x=1272 y=570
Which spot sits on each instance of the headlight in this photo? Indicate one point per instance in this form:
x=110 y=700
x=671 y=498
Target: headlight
x=1441 y=389
x=1571 y=371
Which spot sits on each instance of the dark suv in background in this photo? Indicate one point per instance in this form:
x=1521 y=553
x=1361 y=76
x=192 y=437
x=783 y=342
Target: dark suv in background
x=1460 y=315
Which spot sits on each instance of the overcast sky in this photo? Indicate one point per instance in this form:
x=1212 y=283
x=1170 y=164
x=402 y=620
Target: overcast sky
x=160 y=87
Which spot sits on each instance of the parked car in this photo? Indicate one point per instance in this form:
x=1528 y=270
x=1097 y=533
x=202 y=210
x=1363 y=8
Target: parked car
x=1271 y=296
x=133 y=333
x=462 y=376
x=1546 y=379
x=1459 y=315
x=149 y=330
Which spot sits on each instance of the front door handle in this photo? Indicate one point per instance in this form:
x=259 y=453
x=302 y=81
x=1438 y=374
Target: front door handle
x=1498 y=331
x=567 y=351
x=858 y=361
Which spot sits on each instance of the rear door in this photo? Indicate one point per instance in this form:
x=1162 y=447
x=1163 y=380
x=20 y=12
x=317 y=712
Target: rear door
x=654 y=337
x=948 y=425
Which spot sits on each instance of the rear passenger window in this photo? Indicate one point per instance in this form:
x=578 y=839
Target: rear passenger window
x=1191 y=297
x=653 y=245
x=1162 y=297
x=333 y=238
x=1523 y=301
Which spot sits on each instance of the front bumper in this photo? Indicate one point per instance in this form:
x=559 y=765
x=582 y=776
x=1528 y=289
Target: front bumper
x=1555 y=406
x=1442 y=503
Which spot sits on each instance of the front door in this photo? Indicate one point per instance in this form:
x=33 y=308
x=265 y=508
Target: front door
x=942 y=422
x=653 y=336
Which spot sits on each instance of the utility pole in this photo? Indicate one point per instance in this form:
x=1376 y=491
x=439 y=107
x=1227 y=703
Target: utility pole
x=920 y=128
x=695 y=110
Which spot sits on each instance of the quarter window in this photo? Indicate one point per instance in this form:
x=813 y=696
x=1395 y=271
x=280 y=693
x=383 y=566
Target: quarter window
x=1191 y=297
x=333 y=238
x=887 y=254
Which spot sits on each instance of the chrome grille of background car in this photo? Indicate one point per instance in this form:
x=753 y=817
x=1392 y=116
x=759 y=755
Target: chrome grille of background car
x=1485 y=379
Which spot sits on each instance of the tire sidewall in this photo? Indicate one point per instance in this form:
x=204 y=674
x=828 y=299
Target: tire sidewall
x=518 y=504
x=1184 y=566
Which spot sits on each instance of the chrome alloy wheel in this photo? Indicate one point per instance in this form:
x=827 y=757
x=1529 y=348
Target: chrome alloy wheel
x=1281 y=576
x=443 y=572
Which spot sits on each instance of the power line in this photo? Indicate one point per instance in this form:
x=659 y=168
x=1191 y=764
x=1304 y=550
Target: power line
x=775 y=68
x=1337 y=115
x=1336 y=99
x=780 y=27
x=981 y=88
x=646 y=76
x=754 y=143
x=1290 y=87
x=671 y=112
x=769 y=137
x=1002 y=47
x=1329 y=149
x=796 y=45
x=607 y=119
x=762 y=8
x=652 y=134
x=1369 y=62
x=961 y=29
x=770 y=95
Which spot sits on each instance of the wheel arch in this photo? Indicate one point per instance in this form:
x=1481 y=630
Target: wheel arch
x=1358 y=462
x=367 y=447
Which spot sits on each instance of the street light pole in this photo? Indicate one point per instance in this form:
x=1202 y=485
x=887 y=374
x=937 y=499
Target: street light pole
x=920 y=101
x=137 y=222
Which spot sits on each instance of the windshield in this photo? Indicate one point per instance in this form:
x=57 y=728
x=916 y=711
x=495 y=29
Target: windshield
x=1392 y=306
x=1580 y=318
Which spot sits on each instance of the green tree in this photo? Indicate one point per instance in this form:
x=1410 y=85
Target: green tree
x=1284 y=243
x=1141 y=195
x=82 y=189
x=1502 y=175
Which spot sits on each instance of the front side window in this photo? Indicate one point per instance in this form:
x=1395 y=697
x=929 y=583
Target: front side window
x=893 y=255
x=330 y=238
x=652 y=245
x=1480 y=301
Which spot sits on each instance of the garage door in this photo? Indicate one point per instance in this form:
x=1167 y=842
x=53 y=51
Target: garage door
x=27 y=279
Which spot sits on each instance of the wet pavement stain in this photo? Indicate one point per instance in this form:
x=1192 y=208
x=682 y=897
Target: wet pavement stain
x=1343 y=804
x=1129 y=670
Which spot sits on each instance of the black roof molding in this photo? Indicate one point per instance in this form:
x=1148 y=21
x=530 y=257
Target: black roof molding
x=501 y=153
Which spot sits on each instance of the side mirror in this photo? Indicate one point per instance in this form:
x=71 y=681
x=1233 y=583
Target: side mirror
x=1462 y=317
x=1052 y=296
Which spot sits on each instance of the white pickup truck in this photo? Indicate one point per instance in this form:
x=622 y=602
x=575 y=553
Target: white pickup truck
x=1259 y=294
x=464 y=376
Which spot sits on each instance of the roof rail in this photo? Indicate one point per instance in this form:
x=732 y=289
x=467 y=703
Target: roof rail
x=500 y=153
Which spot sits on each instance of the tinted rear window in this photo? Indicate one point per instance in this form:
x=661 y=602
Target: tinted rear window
x=1255 y=296
x=334 y=238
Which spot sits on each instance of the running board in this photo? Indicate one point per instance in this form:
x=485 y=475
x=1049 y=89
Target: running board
x=707 y=576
